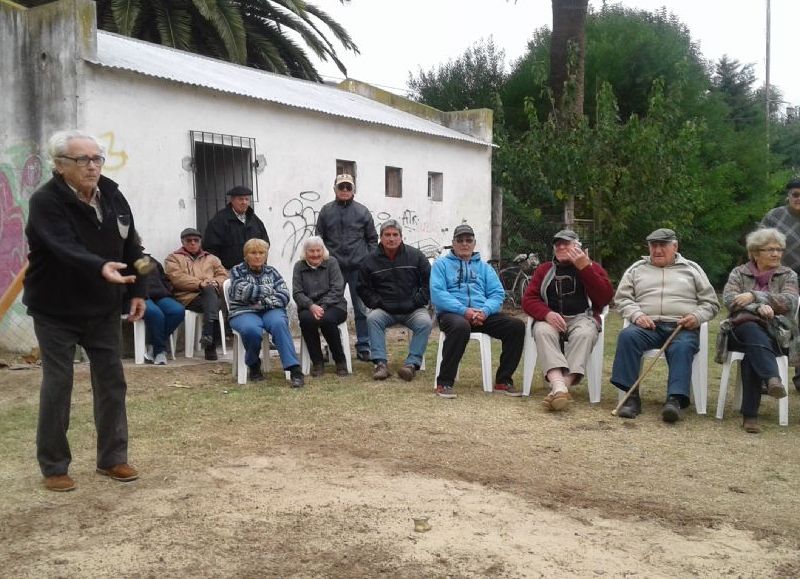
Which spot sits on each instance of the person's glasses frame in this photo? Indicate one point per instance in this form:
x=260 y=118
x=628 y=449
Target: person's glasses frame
x=794 y=194
x=344 y=187
x=778 y=250
x=83 y=160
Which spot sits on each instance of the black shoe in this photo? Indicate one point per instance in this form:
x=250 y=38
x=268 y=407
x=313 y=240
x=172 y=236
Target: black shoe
x=206 y=341
x=211 y=353
x=255 y=374
x=341 y=369
x=632 y=407
x=364 y=356
x=796 y=381
x=671 y=411
x=297 y=379
x=317 y=369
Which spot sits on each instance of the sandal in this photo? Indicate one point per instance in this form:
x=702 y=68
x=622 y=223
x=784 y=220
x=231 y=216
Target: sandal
x=751 y=426
x=556 y=401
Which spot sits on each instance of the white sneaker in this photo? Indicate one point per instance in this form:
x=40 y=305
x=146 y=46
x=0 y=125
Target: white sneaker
x=161 y=359
x=148 y=354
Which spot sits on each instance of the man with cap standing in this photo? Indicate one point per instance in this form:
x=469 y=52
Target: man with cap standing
x=393 y=283
x=468 y=297
x=348 y=231
x=197 y=277
x=657 y=294
x=227 y=231
x=565 y=298
x=786 y=219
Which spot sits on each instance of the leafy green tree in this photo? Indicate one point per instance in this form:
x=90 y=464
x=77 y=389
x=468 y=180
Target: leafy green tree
x=264 y=34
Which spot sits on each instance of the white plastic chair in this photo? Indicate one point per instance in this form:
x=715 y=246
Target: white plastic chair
x=192 y=329
x=594 y=367
x=485 y=342
x=344 y=336
x=699 y=388
x=140 y=338
x=239 y=367
x=783 y=371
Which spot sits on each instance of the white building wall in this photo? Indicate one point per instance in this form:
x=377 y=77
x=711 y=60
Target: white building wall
x=145 y=124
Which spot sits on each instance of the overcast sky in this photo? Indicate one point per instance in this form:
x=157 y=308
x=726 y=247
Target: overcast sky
x=398 y=36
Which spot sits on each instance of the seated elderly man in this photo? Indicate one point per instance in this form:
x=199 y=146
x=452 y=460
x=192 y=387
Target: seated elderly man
x=656 y=294
x=197 y=277
x=468 y=296
x=393 y=283
x=565 y=298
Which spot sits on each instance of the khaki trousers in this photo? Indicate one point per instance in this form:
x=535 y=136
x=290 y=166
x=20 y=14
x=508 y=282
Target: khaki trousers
x=581 y=336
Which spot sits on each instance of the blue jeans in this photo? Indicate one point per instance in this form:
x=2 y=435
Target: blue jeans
x=274 y=322
x=419 y=322
x=359 y=311
x=161 y=318
x=634 y=341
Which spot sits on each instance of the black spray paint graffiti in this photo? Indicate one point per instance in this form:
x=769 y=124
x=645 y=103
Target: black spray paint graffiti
x=301 y=219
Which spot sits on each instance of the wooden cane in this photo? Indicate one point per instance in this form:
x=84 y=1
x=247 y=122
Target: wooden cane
x=635 y=386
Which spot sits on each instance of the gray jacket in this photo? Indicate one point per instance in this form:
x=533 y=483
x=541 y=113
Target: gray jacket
x=348 y=232
x=323 y=285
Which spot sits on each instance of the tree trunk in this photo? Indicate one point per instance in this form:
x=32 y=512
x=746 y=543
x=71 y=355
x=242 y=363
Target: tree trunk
x=569 y=29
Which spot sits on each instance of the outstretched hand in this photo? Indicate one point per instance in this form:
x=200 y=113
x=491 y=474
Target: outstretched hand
x=111 y=273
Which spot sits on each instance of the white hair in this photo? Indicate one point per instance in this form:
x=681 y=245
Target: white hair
x=59 y=142
x=313 y=241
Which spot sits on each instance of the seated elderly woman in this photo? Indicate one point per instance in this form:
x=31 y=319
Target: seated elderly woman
x=761 y=296
x=318 y=291
x=258 y=299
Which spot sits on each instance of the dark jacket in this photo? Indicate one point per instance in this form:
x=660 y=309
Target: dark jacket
x=348 y=232
x=225 y=235
x=397 y=286
x=323 y=285
x=157 y=284
x=69 y=246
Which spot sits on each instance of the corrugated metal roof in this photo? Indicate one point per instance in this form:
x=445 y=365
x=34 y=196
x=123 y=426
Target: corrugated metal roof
x=121 y=52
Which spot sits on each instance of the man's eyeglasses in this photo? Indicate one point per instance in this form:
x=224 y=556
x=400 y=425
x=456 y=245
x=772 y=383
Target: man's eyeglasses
x=794 y=194
x=344 y=187
x=465 y=239
x=191 y=239
x=84 y=161
x=771 y=250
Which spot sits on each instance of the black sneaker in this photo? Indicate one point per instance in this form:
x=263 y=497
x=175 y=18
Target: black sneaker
x=341 y=369
x=211 y=353
x=364 y=356
x=507 y=389
x=206 y=341
x=297 y=379
x=671 y=411
x=632 y=407
x=317 y=369
x=445 y=391
x=255 y=374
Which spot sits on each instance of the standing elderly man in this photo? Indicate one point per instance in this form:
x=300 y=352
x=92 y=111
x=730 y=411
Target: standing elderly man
x=83 y=248
x=565 y=298
x=394 y=283
x=197 y=277
x=657 y=294
x=348 y=231
x=786 y=219
x=468 y=297
x=234 y=224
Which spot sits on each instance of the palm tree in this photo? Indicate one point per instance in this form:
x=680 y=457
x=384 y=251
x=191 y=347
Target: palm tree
x=264 y=34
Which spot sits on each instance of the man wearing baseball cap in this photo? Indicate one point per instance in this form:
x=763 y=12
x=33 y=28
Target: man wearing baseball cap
x=656 y=294
x=786 y=219
x=348 y=231
x=232 y=226
x=468 y=297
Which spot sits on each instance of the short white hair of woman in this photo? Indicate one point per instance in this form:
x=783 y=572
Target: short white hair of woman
x=313 y=241
x=58 y=144
x=760 y=238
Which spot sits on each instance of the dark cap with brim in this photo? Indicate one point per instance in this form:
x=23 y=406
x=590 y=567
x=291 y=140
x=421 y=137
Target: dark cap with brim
x=463 y=229
x=190 y=232
x=661 y=235
x=240 y=191
x=566 y=235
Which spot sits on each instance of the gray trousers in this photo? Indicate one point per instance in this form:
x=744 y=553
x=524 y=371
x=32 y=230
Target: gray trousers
x=57 y=340
x=581 y=336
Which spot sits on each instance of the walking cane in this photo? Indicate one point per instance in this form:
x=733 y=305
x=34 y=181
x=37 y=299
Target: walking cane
x=635 y=386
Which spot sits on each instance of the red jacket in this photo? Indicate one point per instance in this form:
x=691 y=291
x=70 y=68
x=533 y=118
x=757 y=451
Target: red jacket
x=595 y=281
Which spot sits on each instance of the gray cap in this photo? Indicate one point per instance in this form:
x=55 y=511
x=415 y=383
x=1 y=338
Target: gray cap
x=240 y=191
x=391 y=223
x=566 y=235
x=662 y=235
x=463 y=229
x=190 y=232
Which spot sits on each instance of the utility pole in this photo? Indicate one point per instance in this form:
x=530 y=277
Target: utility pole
x=768 y=89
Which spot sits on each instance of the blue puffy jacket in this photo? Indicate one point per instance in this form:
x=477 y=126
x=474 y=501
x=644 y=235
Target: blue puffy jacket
x=457 y=284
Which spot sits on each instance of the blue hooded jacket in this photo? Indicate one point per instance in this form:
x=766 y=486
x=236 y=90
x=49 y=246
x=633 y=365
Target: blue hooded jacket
x=457 y=284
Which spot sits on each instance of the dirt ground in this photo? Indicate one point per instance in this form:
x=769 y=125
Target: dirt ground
x=264 y=481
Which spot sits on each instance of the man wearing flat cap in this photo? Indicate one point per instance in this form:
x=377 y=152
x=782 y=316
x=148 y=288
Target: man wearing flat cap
x=656 y=294
x=197 y=277
x=347 y=229
x=468 y=297
x=565 y=298
x=232 y=226
x=786 y=219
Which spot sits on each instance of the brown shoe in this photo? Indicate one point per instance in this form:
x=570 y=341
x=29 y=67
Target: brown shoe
x=775 y=388
x=381 y=371
x=60 y=483
x=751 y=426
x=317 y=369
x=121 y=472
x=341 y=369
x=557 y=401
x=407 y=372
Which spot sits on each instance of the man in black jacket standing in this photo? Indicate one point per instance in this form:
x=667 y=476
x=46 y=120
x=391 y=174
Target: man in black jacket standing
x=348 y=231
x=227 y=232
x=394 y=284
x=83 y=249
